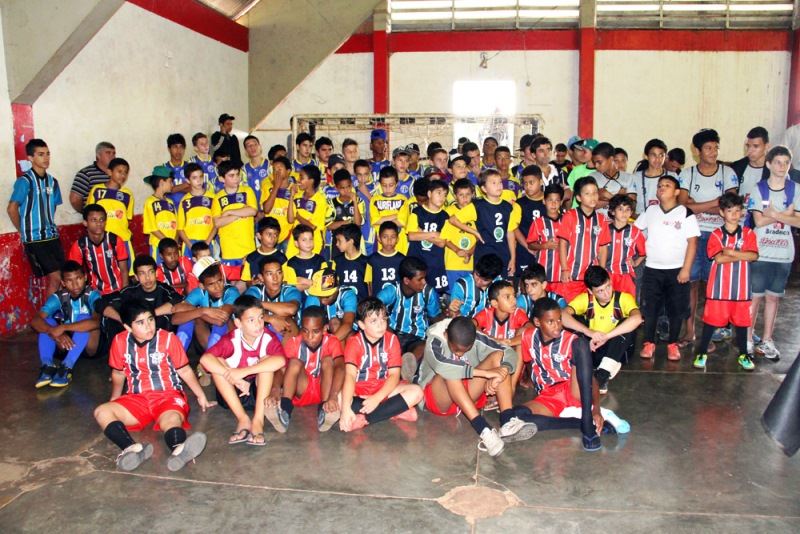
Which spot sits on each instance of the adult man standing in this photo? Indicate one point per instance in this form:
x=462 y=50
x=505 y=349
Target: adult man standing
x=91 y=175
x=224 y=140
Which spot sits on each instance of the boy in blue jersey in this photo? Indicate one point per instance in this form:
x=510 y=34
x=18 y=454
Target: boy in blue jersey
x=32 y=210
x=377 y=144
x=176 y=144
x=206 y=310
x=425 y=223
x=280 y=301
x=413 y=306
x=351 y=265
x=405 y=180
x=469 y=294
x=385 y=262
x=76 y=332
x=533 y=286
x=257 y=167
x=304 y=144
x=340 y=303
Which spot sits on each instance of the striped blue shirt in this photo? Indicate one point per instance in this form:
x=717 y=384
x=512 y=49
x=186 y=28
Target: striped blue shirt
x=37 y=198
x=410 y=315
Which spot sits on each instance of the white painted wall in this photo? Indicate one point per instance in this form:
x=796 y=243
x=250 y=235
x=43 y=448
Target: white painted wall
x=671 y=95
x=422 y=82
x=7 y=171
x=342 y=84
x=139 y=79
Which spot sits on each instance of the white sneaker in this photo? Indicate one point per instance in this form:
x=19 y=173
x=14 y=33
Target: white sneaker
x=517 y=430
x=491 y=442
x=187 y=451
x=134 y=456
x=768 y=349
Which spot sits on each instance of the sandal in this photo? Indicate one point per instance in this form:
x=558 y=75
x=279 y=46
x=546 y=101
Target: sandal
x=253 y=437
x=683 y=343
x=240 y=436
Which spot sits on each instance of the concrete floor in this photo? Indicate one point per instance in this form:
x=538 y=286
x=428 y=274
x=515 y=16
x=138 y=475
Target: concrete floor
x=696 y=460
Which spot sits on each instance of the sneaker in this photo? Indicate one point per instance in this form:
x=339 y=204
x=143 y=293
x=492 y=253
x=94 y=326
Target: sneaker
x=621 y=426
x=592 y=443
x=721 y=334
x=768 y=349
x=491 y=442
x=279 y=419
x=745 y=362
x=673 y=352
x=45 y=376
x=187 y=451
x=325 y=420
x=648 y=349
x=409 y=368
x=62 y=378
x=602 y=376
x=700 y=361
x=203 y=377
x=756 y=338
x=134 y=456
x=516 y=429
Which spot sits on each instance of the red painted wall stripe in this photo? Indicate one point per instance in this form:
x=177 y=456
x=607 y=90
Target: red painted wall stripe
x=357 y=44
x=199 y=18
x=586 y=82
x=455 y=41
x=793 y=115
x=695 y=40
x=22 y=116
x=380 y=66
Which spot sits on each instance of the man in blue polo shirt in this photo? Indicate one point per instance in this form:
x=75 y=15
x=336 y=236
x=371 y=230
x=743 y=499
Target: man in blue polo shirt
x=32 y=210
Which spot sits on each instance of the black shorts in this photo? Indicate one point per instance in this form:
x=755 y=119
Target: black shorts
x=248 y=401
x=45 y=256
x=408 y=342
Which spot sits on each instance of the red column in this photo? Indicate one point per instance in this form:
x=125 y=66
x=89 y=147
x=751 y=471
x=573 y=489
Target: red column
x=586 y=82
x=380 y=71
x=22 y=115
x=793 y=115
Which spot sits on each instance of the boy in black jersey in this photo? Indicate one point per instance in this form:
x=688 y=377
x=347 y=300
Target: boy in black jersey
x=348 y=207
x=352 y=267
x=301 y=267
x=425 y=242
x=385 y=261
x=531 y=204
x=268 y=230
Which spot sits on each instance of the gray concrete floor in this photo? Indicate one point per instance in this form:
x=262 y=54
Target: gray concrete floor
x=696 y=460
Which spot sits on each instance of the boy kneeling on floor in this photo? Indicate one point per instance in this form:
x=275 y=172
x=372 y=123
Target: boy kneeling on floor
x=153 y=362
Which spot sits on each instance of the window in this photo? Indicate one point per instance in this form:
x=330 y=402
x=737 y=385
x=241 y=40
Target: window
x=485 y=108
x=485 y=14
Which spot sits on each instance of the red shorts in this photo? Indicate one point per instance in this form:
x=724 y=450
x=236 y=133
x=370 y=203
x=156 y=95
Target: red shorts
x=453 y=409
x=233 y=273
x=312 y=394
x=556 y=398
x=148 y=407
x=624 y=283
x=720 y=313
x=570 y=290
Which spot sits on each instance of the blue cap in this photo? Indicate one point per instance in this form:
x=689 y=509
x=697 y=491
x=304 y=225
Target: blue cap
x=378 y=134
x=574 y=140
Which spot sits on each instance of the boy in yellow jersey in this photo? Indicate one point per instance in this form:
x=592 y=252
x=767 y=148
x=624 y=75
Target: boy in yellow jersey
x=176 y=144
x=256 y=169
x=389 y=205
x=203 y=158
x=117 y=200
x=310 y=207
x=195 y=222
x=159 y=217
x=234 y=211
x=459 y=245
x=276 y=195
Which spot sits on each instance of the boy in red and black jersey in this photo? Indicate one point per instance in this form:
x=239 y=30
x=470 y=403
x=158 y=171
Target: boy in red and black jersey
x=175 y=269
x=153 y=363
x=542 y=239
x=731 y=248
x=103 y=254
x=626 y=250
x=372 y=390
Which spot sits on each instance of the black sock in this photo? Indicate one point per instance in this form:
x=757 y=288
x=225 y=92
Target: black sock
x=174 y=437
x=286 y=405
x=117 y=433
x=602 y=375
x=388 y=408
x=479 y=424
x=506 y=415
x=705 y=338
x=582 y=361
x=741 y=339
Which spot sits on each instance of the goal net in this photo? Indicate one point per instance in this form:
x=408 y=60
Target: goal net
x=422 y=129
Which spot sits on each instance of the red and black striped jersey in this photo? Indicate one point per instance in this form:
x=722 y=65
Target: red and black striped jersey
x=545 y=229
x=101 y=261
x=627 y=243
x=584 y=234
x=180 y=278
x=150 y=366
x=373 y=360
x=552 y=360
x=488 y=323
x=730 y=281
x=330 y=347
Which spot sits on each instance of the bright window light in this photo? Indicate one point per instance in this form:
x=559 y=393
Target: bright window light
x=484 y=97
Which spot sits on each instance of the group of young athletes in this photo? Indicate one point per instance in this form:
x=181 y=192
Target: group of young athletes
x=369 y=289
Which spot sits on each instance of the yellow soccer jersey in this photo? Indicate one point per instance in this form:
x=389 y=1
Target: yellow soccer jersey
x=461 y=239
x=316 y=210
x=237 y=239
x=159 y=215
x=280 y=209
x=383 y=206
x=194 y=216
x=604 y=318
x=118 y=204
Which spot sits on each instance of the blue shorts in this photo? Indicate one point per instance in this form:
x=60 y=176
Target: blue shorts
x=452 y=278
x=769 y=278
x=702 y=264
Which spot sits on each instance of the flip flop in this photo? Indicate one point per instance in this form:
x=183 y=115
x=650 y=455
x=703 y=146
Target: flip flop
x=240 y=436
x=683 y=343
x=251 y=440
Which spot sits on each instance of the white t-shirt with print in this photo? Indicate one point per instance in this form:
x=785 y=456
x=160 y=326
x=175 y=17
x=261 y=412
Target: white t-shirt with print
x=775 y=241
x=667 y=235
x=748 y=180
x=703 y=188
x=645 y=187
